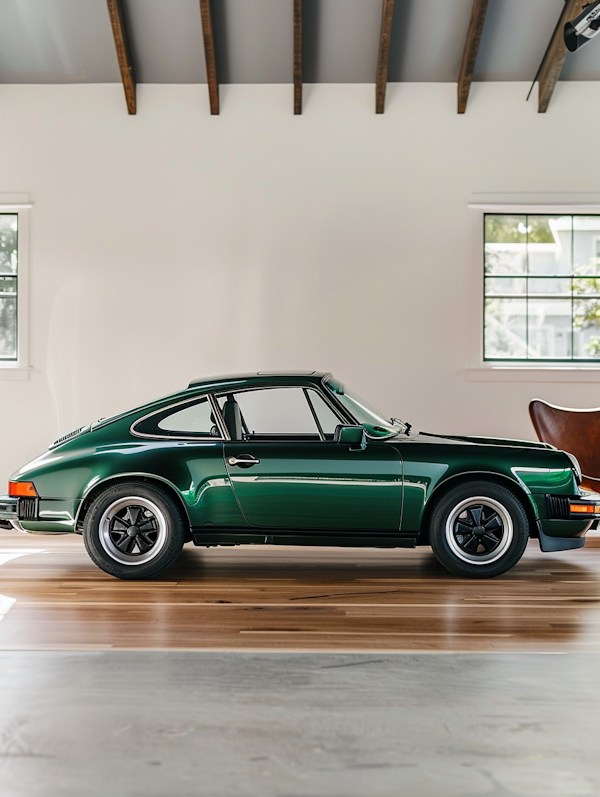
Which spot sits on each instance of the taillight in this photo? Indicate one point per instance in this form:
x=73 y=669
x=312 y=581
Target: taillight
x=22 y=489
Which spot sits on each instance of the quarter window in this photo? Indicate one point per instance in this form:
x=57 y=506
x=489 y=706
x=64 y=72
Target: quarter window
x=191 y=420
x=542 y=287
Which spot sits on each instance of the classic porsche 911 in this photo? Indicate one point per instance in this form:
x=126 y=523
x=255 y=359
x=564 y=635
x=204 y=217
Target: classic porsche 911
x=294 y=459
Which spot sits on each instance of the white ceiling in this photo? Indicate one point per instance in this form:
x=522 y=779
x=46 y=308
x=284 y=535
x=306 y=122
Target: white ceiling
x=70 y=41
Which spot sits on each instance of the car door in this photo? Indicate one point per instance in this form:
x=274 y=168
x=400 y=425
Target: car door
x=288 y=473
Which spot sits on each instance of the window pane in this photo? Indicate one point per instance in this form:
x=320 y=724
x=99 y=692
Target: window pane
x=196 y=419
x=553 y=286
x=505 y=244
x=8 y=243
x=549 y=244
x=505 y=285
x=586 y=286
x=506 y=328
x=8 y=286
x=586 y=328
x=276 y=411
x=327 y=418
x=549 y=327
x=586 y=244
x=8 y=328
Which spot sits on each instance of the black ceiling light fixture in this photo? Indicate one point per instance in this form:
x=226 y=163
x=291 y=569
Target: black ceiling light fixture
x=584 y=27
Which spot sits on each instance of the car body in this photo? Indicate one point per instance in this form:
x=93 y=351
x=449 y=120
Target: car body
x=355 y=478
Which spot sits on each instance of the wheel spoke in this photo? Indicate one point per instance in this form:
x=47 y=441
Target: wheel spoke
x=120 y=520
x=472 y=544
x=125 y=544
x=144 y=542
x=493 y=523
x=150 y=522
x=134 y=513
x=489 y=542
x=475 y=512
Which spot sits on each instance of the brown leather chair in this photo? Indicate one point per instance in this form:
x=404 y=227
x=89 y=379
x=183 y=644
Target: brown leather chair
x=576 y=431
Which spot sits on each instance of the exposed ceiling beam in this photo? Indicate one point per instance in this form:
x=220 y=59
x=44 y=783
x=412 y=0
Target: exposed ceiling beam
x=556 y=53
x=297 y=56
x=387 y=16
x=209 y=55
x=115 y=11
x=467 y=68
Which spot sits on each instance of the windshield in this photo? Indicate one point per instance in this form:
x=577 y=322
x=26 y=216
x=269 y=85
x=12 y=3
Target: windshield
x=374 y=422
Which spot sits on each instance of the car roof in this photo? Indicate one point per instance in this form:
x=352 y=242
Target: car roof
x=261 y=377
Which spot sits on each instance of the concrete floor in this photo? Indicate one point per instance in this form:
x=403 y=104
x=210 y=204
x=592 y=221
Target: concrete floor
x=173 y=724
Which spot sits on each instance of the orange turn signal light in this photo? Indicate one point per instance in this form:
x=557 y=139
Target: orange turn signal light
x=22 y=489
x=586 y=509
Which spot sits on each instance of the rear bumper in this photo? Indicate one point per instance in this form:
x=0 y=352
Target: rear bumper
x=36 y=515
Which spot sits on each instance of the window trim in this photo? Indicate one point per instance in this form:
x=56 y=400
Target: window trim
x=19 y=369
x=481 y=370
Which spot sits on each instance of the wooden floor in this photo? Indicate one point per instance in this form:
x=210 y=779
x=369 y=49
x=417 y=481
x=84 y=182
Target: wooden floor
x=271 y=598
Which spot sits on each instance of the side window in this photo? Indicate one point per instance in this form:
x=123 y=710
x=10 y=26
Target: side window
x=190 y=420
x=326 y=416
x=270 y=411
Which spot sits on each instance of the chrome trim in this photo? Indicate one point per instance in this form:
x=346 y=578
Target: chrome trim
x=196 y=438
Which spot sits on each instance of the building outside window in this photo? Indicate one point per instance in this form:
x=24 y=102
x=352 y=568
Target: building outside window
x=9 y=276
x=542 y=287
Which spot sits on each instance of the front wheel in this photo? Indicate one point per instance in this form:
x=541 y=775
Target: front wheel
x=133 y=531
x=479 y=530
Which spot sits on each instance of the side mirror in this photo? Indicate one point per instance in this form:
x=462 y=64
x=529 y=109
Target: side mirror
x=353 y=436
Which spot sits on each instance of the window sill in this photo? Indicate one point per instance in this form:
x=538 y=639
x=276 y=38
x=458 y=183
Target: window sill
x=533 y=373
x=14 y=373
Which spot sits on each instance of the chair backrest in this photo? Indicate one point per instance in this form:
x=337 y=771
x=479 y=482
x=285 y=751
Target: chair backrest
x=576 y=431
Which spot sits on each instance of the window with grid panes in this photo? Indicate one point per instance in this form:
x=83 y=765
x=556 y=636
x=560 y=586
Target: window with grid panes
x=8 y=285
x=542 y=287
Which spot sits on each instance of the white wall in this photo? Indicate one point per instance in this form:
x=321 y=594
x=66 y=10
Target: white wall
x=174 y=244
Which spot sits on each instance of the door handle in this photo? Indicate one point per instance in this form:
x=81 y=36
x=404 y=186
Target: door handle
x=243 y=461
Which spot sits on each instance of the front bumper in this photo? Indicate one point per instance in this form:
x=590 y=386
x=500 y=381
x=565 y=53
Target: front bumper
x=567 y=520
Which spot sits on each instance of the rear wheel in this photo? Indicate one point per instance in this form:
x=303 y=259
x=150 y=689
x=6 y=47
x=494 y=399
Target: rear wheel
x=479 y=530
x=133 y=531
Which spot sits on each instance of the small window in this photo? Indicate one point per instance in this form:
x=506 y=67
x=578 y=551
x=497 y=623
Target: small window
x=269 y=412
x=8 y=285
x=542 y=287
x=191 y=420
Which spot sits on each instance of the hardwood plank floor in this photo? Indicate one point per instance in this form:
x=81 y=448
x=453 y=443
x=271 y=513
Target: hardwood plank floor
x=274 y=598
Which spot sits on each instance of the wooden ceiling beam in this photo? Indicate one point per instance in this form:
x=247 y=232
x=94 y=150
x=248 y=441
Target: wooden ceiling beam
x=555 y=55
x=387 y=17
x=297 y=56
x=115 y=11
x=467 y=68
x=209 y=55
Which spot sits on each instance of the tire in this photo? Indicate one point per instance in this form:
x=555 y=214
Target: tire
x=479 y=530
x=133 y=531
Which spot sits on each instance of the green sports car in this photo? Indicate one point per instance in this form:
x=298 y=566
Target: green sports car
x=294 y=459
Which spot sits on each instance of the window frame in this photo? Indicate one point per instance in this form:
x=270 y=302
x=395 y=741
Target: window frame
x=516 y=370
x=19 y=368
x=283 y=438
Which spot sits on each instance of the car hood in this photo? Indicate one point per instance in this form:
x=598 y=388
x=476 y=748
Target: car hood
x=427 y=437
